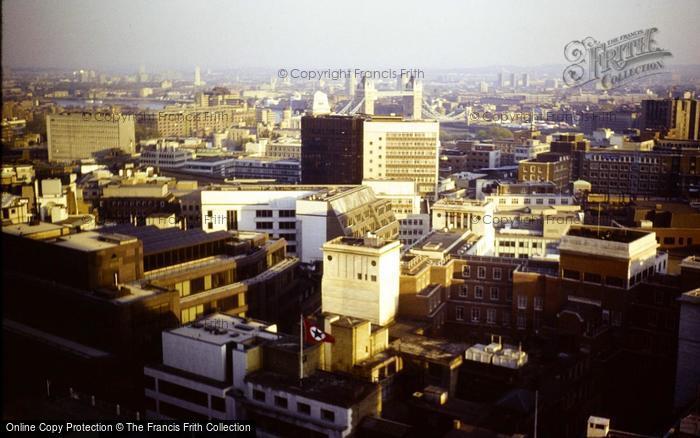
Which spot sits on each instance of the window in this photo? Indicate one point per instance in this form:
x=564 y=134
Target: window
x=304 y=408
x=476 y=314
x=373 y=278
x=287 y=213
x=539 y=303
x=491 y=316
x=573 y=275
x=481 y=272
x=591 y=277
x=478 y=292
x=263 y=225
x=258 y=395
x=497 y=273
x=466 y=271
x=263 y=213
x=327 y=415
x=522 y=301
x=287 y=225
x=464 y=291
x=182 y=392
x=459 y=313
x=521 y=321
x=494 y=293
x=281 y=402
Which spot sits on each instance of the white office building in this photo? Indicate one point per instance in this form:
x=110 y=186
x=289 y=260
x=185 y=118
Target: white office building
x=361 y=278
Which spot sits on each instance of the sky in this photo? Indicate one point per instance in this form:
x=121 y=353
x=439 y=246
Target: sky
x=216 y=34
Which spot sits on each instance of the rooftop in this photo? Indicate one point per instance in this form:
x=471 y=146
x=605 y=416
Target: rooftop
x=156 y=240
x=362 y=242
x=621 y=235
x=406 y=340
x=221 y=329
x=29 y=229
x=93 y=240
x=331 y=388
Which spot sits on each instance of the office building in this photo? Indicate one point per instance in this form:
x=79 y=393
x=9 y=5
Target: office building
x=674 y=118
x=285 y=147
x=394 y=148
x=361 y=278
x=550 y=166
x=245 y=370
x=331 y=149
x=71 y=137
x=305 y=216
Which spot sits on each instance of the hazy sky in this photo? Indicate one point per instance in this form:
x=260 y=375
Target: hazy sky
x=300 y=33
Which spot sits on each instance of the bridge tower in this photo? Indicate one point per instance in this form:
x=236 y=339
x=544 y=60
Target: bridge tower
x=413 y=104
x=366 y=91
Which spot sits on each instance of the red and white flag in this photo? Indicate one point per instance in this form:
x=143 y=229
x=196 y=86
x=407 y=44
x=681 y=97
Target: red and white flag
x=313 y=333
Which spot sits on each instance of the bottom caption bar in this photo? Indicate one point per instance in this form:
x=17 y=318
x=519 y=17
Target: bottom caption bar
x=61 y=428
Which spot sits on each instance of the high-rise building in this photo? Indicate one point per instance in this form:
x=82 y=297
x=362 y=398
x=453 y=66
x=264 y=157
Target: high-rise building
x=197 y=77
x=74 y=137
x=331 y=149
x=361 y=278
x=513 y=80
x=398 y=149
x=676 y=118
x=501 y=81
x=526 y=80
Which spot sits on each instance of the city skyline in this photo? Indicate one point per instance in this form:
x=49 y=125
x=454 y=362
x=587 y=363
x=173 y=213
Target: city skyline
x=305 y=34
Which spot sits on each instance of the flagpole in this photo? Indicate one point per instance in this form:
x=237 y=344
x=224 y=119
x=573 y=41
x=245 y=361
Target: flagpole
x=301 y=347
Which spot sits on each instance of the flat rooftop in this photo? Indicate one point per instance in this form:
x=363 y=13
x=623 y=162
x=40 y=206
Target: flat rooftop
x=156 y=240
x=27 y=229
x=221 y=329
x=93 y=241
x=405 y=340
x=332 y=388
x=620 y=235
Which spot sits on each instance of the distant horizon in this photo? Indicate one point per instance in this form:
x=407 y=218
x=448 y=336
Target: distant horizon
x=215 y=34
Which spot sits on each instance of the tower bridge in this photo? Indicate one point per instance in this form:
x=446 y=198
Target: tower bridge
x=411 y=90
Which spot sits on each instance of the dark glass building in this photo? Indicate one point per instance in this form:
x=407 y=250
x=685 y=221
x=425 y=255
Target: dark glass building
x=331 y=149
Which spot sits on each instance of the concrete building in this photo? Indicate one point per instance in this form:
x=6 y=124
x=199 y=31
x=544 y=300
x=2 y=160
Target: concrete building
x=305 y=216
x=15 y=209
x=201 y=119
x=245 y=370
x=406 y=205
x=467 y=214
x=675 y=118
x=165 y=156
x=530 y=225
x=283 y=171
x=550 y=166
x=641 y=173
x=394 y=148
x=202 y=362
x=214 y=166
x=361 y=278
x=72 y=137
x=285 y=147
x=624 y=257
